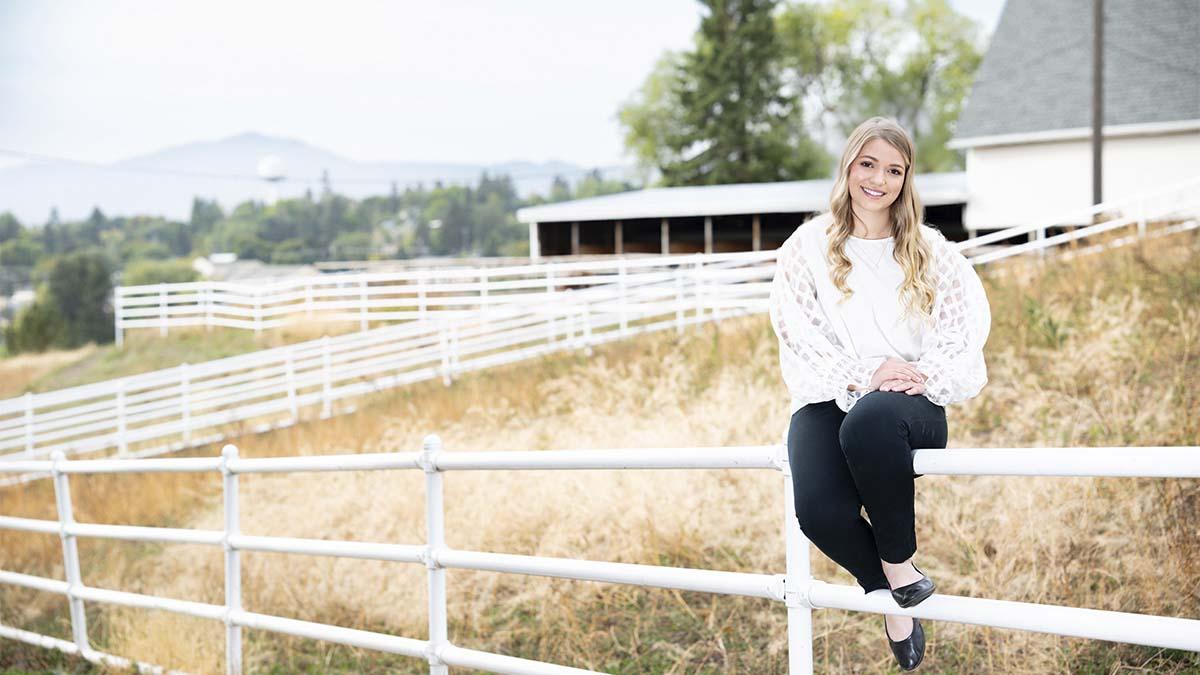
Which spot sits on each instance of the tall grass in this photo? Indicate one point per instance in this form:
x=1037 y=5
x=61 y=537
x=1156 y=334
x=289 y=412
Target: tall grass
x=1101 y=350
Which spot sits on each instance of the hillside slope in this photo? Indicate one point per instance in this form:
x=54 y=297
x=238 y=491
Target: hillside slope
x=1099 y=351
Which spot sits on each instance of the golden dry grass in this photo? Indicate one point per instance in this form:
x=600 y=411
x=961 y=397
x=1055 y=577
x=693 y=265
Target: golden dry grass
x=1100 y=351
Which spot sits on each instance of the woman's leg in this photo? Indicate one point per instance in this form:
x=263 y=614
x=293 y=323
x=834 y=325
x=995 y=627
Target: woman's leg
x=827 y=502
x=877 y=437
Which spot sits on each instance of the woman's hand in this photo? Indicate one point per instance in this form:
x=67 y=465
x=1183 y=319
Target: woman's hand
x=907 y=386
x=894 y=371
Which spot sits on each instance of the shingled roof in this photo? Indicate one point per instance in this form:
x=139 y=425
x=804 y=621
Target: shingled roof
x=1036 y=74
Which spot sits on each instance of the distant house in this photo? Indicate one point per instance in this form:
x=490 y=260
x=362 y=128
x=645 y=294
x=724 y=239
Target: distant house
x=226 y=267
x=709 y=218
x=1026 y=124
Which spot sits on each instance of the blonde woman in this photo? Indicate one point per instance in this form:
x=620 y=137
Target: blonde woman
x=881 y=324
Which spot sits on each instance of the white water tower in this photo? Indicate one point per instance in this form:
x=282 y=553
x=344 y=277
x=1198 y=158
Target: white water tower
x=270 y=169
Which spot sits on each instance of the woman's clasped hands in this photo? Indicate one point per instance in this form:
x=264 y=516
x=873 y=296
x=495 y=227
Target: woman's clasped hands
x=897 y=375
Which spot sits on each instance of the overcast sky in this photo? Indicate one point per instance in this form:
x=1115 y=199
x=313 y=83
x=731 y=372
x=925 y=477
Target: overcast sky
x=451 y=80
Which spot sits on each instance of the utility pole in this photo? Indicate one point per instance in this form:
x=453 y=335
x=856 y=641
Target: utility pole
x=1097 y=97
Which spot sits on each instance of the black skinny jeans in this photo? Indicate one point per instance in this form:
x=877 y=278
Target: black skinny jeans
x=843 y=461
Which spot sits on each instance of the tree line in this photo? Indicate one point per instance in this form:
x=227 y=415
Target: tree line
x=74 y=265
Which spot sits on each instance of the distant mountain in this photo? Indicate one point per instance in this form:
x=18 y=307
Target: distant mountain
x=164 y=182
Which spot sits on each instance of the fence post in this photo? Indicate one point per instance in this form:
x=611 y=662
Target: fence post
x=290 y=370
x=62 y=498
x=327 y=385
x=550 y=335
x=363 y=321
x=699 y=287
x=1141 y=215
x=117 y=311
x=162 y=309
x=587 y=329
x=122 y=443
x=679 y=300
x=421 y=310
x=798 y=579
x=308 y=298
x=621 y=296
x=436 y=541
x=444 y=349
x=257 y=311
x=185 y=402
x=484 y=306
x=29 y=424
x=233 y=564
x=208 y=307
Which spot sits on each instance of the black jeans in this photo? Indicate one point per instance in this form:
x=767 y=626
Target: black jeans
x=843 y=461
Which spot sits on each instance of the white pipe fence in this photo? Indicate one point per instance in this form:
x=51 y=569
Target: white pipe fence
x=795 y=588
x=399 y=296
x=193 y=405
x=185 y=405
x=393 y=296
x=1179 y=201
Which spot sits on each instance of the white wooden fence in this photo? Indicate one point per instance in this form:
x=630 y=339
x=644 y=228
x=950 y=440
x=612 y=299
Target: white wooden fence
x=568 y=306
x=398 y=296
x=795 y=588
x=192 y=405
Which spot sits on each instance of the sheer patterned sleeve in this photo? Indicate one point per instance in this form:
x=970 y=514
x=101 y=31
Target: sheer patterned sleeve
x=815 y=366
x=952 y=351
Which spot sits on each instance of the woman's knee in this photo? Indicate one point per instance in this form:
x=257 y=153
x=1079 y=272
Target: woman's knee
x=875 y=418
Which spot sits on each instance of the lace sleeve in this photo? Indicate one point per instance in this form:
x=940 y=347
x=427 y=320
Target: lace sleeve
x=952 y=352
x=815 y=367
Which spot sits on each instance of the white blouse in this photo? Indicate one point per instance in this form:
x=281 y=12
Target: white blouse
x=824 y=346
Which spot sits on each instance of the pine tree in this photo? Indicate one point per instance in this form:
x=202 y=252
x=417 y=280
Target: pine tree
x=737 y=126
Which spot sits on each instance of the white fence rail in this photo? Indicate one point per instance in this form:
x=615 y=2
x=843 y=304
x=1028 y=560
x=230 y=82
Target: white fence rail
x=393 y=296
x=186 y=404
x=367 y=297
x=571 y=306
x=795 y=588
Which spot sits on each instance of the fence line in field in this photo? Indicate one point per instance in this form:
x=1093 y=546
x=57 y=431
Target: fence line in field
x=393 y=296
x=795 y=589
x=177 y=405
x=396 y=296
x=184 y=405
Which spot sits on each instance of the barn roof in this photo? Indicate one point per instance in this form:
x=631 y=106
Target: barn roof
x=803 y=196
x=1035 y=81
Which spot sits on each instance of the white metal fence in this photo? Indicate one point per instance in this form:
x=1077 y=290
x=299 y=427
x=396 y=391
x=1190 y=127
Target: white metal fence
x=195 y=404
x=569 y=306
x=398 y=296
x=795 y=589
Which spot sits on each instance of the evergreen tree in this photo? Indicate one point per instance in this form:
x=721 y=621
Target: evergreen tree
x=79 y=288
x=738 y=125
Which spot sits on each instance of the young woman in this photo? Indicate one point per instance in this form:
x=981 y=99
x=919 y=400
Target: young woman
x=881 y=323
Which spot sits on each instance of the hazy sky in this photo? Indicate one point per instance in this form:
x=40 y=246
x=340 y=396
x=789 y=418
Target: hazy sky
x=451 y=80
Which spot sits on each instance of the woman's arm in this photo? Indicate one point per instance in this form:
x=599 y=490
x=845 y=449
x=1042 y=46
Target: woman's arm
x=809 y=353
x=952 y=352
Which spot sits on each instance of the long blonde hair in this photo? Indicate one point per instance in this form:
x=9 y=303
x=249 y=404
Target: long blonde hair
x=911 y=250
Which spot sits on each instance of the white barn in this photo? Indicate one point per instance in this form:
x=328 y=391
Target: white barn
x=1026 y=124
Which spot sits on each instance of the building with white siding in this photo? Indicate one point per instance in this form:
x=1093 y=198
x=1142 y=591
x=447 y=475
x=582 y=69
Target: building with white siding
x=1026 y=124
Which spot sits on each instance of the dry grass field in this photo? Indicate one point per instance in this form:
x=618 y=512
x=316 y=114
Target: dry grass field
x=1101 y=350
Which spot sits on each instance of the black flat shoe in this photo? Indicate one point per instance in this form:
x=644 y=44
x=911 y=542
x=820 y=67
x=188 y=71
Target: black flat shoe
x=914 y=593
x=910 y=651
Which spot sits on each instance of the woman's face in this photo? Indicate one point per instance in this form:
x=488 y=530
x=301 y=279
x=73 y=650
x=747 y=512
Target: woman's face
x=876 y=176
